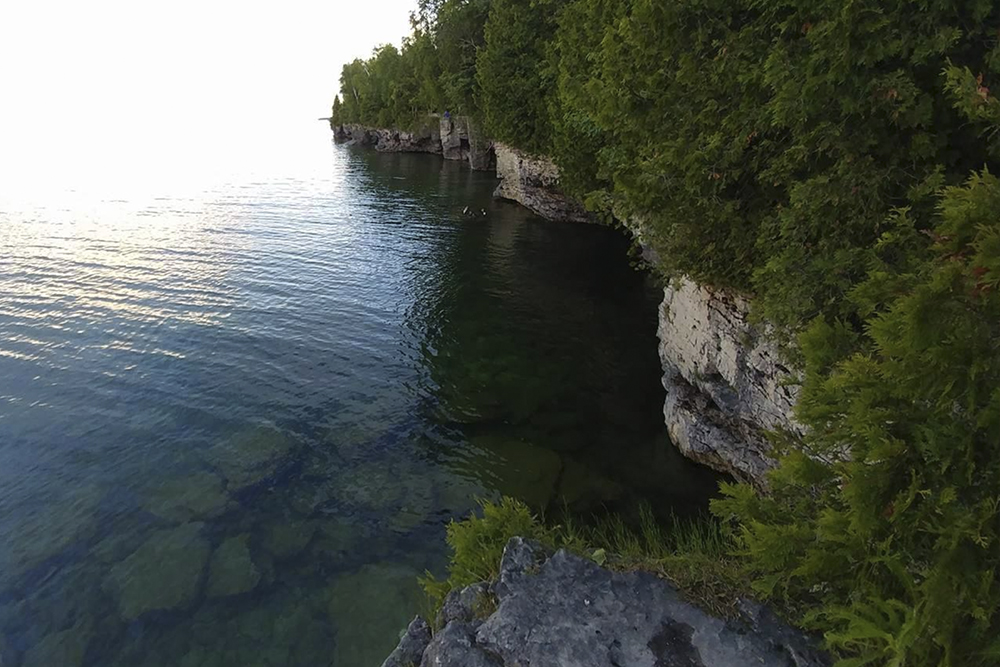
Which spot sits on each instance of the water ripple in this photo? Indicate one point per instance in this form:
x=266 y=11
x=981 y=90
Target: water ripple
x=314 y=370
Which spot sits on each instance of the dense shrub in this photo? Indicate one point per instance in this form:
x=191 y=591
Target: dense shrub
x=885 y=525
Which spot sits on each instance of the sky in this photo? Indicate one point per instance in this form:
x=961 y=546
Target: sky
x=89 y=77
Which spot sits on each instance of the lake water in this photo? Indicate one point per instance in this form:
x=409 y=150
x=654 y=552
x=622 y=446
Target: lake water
x=239 y=401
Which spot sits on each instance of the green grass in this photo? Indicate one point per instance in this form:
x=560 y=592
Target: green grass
x=696 y=555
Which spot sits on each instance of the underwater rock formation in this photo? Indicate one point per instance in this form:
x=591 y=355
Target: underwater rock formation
x=232 y=570
x=164 y=573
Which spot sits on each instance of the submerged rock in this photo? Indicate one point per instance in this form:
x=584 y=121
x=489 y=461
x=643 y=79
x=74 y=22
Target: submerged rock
x=164 y=573
x=582 y=487
x=286 y=539
x=232 y=571
x=567 y=611
x=63 y=649
x=395 y=494
x=368 y=607
x=199 y=495
x=337 y=538
x=47 y=527
x=250 y=457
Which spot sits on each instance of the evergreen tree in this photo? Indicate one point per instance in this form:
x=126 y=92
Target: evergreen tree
x=513 y=72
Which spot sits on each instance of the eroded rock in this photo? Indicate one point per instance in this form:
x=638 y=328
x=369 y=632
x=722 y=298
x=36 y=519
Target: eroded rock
x=424 y=139
x=565 y=610
x=410 y=650
x=456 y=646
x=533 y=182
x=725 y=380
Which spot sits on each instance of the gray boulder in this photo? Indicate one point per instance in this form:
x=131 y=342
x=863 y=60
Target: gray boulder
x=565 y=610
x=456 y=646
x=411 y=647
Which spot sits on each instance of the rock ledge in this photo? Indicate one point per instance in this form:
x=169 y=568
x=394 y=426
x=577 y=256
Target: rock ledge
x=564 y=610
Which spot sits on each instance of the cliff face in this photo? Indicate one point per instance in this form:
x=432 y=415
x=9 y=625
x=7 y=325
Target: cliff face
x=454 y=138
x=426 y=139
x=725 y=380
x=533 y=182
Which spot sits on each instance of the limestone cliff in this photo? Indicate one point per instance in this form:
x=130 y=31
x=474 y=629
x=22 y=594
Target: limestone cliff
x=425 y=139
x=454 y=138
x=725 y=380
x=533 y=182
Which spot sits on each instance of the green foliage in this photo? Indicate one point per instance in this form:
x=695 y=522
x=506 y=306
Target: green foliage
x=458 y=31
x=477 y=544
x=694 y=554
x=888 y=530
x=336 y=112
x=514 y=78
x=434 y=71
x=763 y=145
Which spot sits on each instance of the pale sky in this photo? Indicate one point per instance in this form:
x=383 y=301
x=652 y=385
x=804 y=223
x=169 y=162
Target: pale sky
x=114 y=68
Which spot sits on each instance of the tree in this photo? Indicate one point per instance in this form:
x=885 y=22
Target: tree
x=513 y=73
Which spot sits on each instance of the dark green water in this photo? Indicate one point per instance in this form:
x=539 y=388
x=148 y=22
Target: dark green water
x=234 y=421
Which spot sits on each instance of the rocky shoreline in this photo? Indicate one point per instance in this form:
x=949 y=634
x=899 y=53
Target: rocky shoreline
x=560 y=609
x=726 y=382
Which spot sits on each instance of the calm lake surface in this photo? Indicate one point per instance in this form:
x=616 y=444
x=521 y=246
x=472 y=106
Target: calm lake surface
x=237 y=410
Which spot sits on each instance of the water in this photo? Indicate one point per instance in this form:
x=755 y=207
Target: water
x=240 y=400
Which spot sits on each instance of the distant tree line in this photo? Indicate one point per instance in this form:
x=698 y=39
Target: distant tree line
x=834 y=160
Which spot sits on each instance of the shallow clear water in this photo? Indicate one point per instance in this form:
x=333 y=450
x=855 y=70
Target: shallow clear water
x=236 y=412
